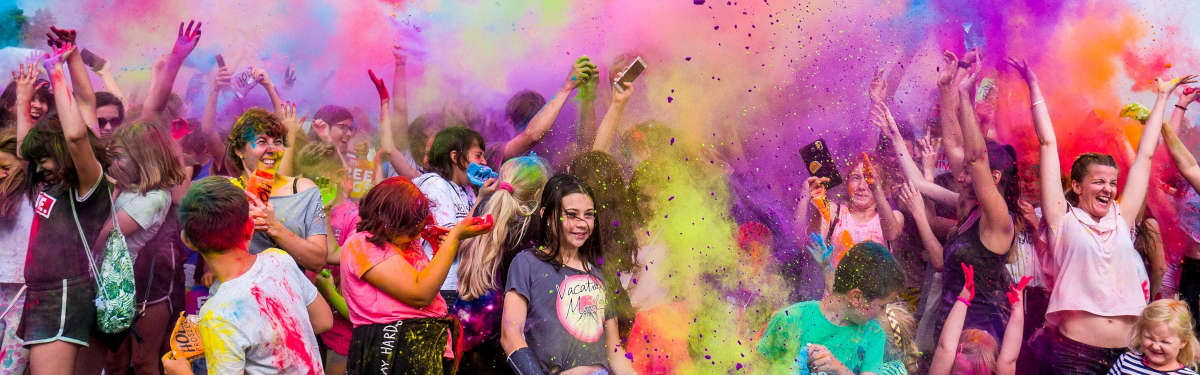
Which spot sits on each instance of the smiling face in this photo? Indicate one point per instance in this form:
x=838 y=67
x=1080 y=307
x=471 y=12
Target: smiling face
x=860 y=191
x=577 y=221
x=339 y=134
x=254 y=151
x=1161 y=346
x=1097 y=190
x=8 y=165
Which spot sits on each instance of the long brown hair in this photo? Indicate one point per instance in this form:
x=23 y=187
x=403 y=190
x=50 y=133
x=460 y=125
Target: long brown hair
x=151 y=149
x=16 y=184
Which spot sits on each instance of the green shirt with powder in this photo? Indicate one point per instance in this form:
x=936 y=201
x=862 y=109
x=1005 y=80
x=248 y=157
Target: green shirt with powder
x=859 y=347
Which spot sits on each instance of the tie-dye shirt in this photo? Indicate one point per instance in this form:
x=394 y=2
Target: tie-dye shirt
x=258 y=322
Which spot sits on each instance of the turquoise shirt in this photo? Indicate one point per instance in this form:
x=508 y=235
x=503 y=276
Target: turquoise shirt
x=858 y=347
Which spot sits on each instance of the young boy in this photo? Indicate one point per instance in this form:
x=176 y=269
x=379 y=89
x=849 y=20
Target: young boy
x=264 y=314
x=837 y=334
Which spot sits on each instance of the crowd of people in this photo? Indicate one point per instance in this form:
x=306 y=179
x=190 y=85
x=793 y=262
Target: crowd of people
x=322 y=247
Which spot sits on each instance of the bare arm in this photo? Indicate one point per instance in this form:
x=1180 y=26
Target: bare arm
x=320 y=315
x=912 y=200
x=1054 y=203
x=947 y=348
x=164 y=79
x=209 y=119
x=606 y=134
x=512 y=322
x=1137 y=181
x=396 y=277
x=24 y=78
x=996 y=229
x=948 y=108
x=387 y=138
x=110 y=83
x=538 y=126
x=1010 y=347
x=881 y=116
x=1185 y=162
x=265 y=80
x=617 y=361
x=587 y=102
x=79 y=145
x=1156 y=255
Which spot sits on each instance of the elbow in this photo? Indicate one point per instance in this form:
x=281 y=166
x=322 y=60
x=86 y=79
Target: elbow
x=323 y=324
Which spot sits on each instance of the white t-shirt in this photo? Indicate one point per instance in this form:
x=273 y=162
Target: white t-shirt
x=148 y=210
x=258 y=323
x=449 y=204
x=14 y=242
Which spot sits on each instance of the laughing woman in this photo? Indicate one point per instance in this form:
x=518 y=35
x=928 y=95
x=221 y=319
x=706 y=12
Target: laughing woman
x=1102 y=284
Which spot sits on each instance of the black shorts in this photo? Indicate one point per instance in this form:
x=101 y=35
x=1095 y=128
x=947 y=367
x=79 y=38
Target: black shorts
x=64 y=312
x=1053 y=353
x=408 y=346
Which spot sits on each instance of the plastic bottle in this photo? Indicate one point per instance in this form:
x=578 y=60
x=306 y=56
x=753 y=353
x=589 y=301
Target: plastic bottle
x=263 y=178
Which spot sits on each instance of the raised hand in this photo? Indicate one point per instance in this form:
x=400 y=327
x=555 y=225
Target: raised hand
x=24 y=78
x=260 y=75
x=581 y=71
x=1022 y=68
x=820 y=250
x=969 y=69
x=1014 y=292
x=223 y=77
x=399 y=54
x=379 y=86
x=289 y=76
x=56 y=57
x=621 y=91
x=968 y=290
x=187 y=39
x=868 y=170
x=57 y=37
x=1188 y=95
x=878 y=87
x=910 y=199
x=1165 y=88
x=287 y=116
x=948 y=69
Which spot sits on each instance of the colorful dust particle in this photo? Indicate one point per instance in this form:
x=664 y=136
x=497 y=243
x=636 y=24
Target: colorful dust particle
x=672 y=141
x=670 y=99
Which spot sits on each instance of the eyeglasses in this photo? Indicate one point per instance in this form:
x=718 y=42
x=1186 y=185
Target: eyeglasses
x=107 y=122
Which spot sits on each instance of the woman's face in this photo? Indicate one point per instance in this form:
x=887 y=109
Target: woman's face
x=8 y=165
x=578 y=219
x=1098 y=190
x=254 y=151
x=37 y=107
x=47 y=168
x=124 y=168
x=339 y=134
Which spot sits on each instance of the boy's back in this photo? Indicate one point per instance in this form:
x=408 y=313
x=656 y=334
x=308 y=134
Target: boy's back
x=258 y=322
x=858 y=347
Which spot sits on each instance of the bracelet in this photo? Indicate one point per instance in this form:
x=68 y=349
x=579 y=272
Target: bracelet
x=1040 y=101
x=1182 y=108
x=964 y=301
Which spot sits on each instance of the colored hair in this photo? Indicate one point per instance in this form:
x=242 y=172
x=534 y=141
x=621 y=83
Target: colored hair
x=1080 y=167
x=615 y=217
x=252 y=123
x=869 y=267
x=46 y=140
x=1173 y=313
x=17 y=182
x=153 y=152
x=215 y=215
x=977 y=351
x=481 y=255
x=902 y=329
x=549 y=227
x=522 y=107
x=393 y=208
x=456 y=139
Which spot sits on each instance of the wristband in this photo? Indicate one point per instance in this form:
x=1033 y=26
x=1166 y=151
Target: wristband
x=1181 y=107
x=965 y=301
x=1040 y=101
x=523 y=362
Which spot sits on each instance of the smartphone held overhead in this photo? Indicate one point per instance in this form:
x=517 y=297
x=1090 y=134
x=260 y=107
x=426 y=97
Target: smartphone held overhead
x=632 y=71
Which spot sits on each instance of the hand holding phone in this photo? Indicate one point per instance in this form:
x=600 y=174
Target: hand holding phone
x=820 y=163
x=632 y=71
x=220 y=61
x=92 y=60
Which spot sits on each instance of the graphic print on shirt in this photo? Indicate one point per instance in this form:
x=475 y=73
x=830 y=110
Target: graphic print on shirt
x=44 y=204
x=581 y=306
x=292 y=346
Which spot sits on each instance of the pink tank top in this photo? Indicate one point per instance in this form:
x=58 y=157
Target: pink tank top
x=866 y=230
x=1097 y=269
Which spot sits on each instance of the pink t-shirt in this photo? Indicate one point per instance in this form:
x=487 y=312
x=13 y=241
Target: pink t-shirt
x=369 y=305
x=859 y=231
x=343 y=219
x=1097 y=268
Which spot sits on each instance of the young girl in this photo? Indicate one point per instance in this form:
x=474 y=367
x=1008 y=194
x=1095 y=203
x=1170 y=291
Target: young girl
x=901 y=354
x=391 y=287
x=556 y=317
x=867 y=216
x=1163 y=342
x=16 y=217
x=973 y=351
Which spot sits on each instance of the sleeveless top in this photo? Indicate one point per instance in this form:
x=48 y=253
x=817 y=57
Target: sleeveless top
x=990 y=309
x=1096 y=266
x=859 y=231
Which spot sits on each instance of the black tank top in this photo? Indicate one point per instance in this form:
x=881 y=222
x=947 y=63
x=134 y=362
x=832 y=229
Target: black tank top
x=990 y=309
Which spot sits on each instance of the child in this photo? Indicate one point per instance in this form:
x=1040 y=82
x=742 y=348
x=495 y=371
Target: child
x=264 y=315
x=901 y=352
x=838 y=332
x=974 y=351
x=1163 y=342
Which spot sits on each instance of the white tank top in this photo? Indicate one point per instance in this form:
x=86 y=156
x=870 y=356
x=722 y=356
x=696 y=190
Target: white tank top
x=1096 y=266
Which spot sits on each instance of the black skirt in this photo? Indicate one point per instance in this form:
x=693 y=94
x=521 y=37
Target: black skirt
x=408 y=346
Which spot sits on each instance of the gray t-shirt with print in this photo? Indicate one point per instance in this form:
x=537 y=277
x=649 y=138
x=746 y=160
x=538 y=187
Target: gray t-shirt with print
x=567 y=308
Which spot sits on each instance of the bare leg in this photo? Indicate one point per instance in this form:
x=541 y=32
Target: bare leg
x=53 y=358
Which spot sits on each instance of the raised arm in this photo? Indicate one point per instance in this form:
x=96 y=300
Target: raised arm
x=606 y=134
x=1054 y=203
x=541 y=122
x=1185 y=162
x=890 y=221
x=387 y=138
x=81 y=84
x=949 y=74
x=1010 y=347
x=1137 y=181
x=399 y=279
x=25 y=78
x=996 y=229
x=914 y=203
x=947 y=348
x=79 y=145
x=264 y=80
x=587 y=105
x=881 y=117
x=164 y=79
x=103 y=69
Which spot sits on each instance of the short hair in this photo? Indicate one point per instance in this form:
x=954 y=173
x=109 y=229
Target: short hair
x=394 y=207
x=330 y=114
x=215 y=215
x=153 y=151
x=104 y=98
x=523 y=106
x=869 y=267
x=46 y=140
x=250 y=125
x=457 y=139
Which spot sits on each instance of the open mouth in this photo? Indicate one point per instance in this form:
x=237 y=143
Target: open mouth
x=1103 y=201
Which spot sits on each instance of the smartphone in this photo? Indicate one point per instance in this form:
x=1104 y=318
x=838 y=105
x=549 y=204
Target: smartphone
x=91 y=60
x=632 y=71
x=220 y=61
x=820 y=163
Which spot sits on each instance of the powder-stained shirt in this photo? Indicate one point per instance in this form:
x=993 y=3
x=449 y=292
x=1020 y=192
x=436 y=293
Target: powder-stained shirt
x=449 y=204
x=258 y=323
x=148 y=210
x=368 y=304
x=567 y=308
x=56 y=251
x=858 y=347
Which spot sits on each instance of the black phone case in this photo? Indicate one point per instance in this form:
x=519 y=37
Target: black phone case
x=220 y=61
x=91 y=60
x=819 y=162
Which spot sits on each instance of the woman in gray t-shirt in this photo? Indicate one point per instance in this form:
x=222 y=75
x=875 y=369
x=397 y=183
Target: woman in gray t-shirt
x=556 y=317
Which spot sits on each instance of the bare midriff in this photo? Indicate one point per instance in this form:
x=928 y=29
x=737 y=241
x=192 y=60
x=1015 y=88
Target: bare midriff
x=1096 y=330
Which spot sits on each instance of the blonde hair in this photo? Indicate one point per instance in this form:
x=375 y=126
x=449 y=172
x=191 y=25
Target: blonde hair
x=976 y=350
x=902 y=330
x=481 y=255
x=1174 y=313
